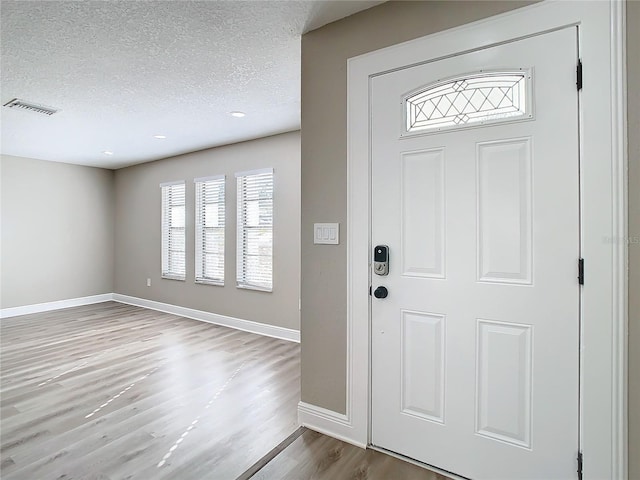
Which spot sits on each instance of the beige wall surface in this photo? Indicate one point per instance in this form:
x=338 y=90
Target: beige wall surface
x=137 y=234
x=57 y=231
x=324 y=166
x=633 y=112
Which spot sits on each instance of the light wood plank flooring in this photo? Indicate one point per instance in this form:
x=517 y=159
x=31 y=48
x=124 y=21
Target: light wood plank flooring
x=111 y=391
x=314 y=456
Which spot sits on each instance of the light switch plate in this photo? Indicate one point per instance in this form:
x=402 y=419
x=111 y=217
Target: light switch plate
x=326 y=233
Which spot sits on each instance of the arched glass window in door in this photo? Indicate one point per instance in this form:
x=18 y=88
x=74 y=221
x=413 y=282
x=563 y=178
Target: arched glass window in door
x=484 y=97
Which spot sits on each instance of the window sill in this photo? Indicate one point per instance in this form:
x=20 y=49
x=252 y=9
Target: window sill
x=210 y=282
x=256 y=288
x=174 y=277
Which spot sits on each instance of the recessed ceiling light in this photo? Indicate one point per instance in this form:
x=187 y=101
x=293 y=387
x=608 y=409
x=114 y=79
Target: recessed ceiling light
x=237 y=114
x=160 y=137
x=108 y=152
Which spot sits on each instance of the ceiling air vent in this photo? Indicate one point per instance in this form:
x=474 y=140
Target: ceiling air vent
x=31 y=107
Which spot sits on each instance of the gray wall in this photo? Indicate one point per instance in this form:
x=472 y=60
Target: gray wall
x=633 y=104
x=57 y=231
x=137 y=233
x=324 y=187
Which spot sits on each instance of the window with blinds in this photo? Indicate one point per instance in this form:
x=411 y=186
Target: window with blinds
x=173 y=230
x=255 y=230
x=210 y=222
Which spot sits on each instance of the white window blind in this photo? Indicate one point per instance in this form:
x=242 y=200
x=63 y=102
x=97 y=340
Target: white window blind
x=173 y=230
x=210 y=222
x=255 y=230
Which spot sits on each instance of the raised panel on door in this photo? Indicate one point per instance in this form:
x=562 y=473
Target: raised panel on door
x=504 y=211
x=503 y=383
x=423 y=354
x=422 y=213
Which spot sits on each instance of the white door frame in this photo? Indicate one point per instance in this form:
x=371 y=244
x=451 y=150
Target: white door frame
x=603 y=216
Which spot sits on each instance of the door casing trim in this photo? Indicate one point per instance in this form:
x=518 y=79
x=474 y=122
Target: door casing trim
x=604 y=213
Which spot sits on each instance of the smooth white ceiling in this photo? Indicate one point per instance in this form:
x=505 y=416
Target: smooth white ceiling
x=123 y=71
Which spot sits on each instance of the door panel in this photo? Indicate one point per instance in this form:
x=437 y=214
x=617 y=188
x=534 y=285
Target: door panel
x=422 y=350
x=422 y=214
x=504 y=211
x=503 y=402
x=475 y=349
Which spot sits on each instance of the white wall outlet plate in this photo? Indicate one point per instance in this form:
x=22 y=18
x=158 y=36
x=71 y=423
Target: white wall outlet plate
x=326 y=233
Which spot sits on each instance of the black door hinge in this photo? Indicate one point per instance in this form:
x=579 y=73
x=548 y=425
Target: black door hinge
x=369 y=290
x=581 y=271
x=579 y=75
x=579 y=465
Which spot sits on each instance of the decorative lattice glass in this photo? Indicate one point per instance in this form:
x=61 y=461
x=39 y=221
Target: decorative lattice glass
x=478 y=98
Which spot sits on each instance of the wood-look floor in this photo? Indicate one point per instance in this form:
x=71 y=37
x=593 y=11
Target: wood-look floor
x=111 y=391
x=314 y=456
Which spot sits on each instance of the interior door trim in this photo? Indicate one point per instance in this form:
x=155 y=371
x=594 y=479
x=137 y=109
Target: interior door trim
x=602 y=31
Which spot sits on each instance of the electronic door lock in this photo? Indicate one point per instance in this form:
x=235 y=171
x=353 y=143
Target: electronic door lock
x=381 y=260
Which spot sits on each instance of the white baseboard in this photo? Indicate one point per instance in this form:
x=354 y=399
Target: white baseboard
x=328 y=422
x=57 y=305
x=232 y=322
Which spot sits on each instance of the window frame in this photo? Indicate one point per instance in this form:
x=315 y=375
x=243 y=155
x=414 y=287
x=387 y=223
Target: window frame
x=200 y=242
x=478 y=118
x=242 y=228
x=166 y=228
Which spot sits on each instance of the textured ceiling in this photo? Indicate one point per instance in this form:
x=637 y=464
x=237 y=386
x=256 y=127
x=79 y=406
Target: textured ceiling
x=123 y=71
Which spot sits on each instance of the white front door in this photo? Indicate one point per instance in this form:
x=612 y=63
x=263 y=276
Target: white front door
x=475 y=181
